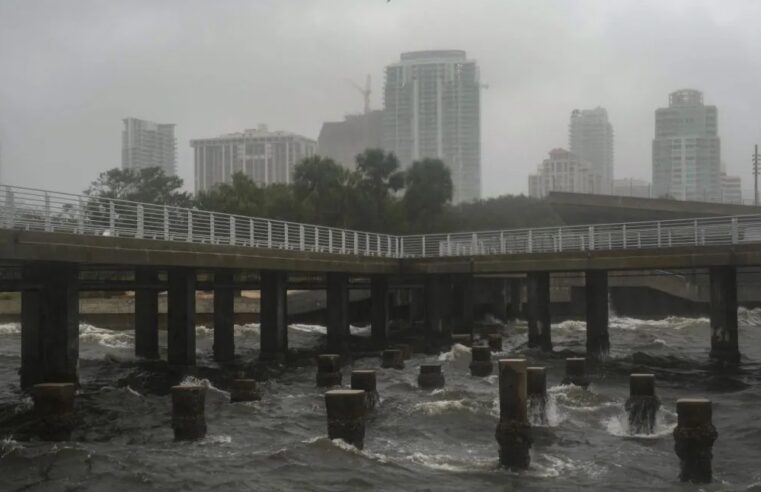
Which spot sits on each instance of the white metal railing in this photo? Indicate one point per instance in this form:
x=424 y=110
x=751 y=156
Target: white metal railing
x=40 y=210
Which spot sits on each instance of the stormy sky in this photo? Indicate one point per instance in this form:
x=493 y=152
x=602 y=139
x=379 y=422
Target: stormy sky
x=70 y=70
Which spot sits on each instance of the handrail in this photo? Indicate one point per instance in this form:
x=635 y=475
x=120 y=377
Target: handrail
x=42 y=210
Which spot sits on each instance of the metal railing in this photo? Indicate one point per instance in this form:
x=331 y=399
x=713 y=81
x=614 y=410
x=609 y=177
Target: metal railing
x=39 y=210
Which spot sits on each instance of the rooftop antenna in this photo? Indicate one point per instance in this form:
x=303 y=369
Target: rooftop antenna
x=365 y=91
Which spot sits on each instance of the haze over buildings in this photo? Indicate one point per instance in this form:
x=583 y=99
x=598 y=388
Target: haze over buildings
x=590 y=137
x=148 y=144
x=432 y=108
x=564 y=171
x=343 y=140
x=267 y=157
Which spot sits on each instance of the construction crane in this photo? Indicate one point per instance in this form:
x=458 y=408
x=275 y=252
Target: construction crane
x=365 y=91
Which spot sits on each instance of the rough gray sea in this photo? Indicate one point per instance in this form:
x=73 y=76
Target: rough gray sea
x=415 y=440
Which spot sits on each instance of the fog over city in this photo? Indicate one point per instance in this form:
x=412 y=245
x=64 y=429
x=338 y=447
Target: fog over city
x=71 y=70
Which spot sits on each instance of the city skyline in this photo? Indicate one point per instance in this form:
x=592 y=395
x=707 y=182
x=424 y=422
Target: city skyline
x=520 y=109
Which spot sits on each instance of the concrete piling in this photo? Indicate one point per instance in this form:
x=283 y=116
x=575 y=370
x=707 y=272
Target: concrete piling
x=346 y=411
x=576 y=372
x=694 y=436
x=642 y=404
x=513 y=431
x=365 y=380
x=536 y=389
x=54 y=409
x=406 y=350
x=329 y=370
x=244 y=390
x=480 y=364
x=430 y=376
x=188 y=412
x=495 y=342
x=392 y=359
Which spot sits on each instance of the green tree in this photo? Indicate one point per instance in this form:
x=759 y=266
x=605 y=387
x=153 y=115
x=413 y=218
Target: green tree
x=242 y=196
x=146 y=185
x=374 y=181
x=320 y=186
x=280 y=203
x=429 y=189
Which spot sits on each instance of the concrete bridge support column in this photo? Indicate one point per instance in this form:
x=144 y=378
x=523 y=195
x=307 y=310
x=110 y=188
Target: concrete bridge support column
x=50 y=324
x=497 y=297
x=181 y=316
x=724 y=341
x=379 y=309
x=338 y=312
x=438 y=300
x=147 y=314
x=224 y=311
x=274 y=314
x=596 y=290
x=538 y=293
x=516 y=298
x=463 y=305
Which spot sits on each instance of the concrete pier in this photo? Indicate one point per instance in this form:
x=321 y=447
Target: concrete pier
x=379 y=315
x=274 y=314
x=346 y=416
x=146 y=314
x=329 y=370
x=366 y=381
x=576 y=372
x=642 y=405
x=436 y=327
x=539 y=326
x=463 y=307
x=54 y=410
x=50 y=324
x=181 y=316
x=188 y=412
x=480 y=364
x=513 y=431
x=536 y=389
x=694 y=436
x=495 y=342
x=392 y=359
x=244 y=390
x=338 y=312
x=430 y=377
x=724 y=340
x=515 y=308
x=596 y=290
x=224 y=311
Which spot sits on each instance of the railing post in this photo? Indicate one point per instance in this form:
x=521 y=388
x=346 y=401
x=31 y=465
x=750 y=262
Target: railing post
x=530 y=245
x=356 y=243
x=623 y=233
x=140 y=221
x=285 y=235
x=591 y=238
x=251 y=236
x=658 y=231
x=502 y=242
x=695 y=229
x=232 y=230
x=422 y=249
x=734 y=230
x=111 y=217
x=166 y=223
x=10 y=207
x=211 y=228
x=301 y=237
x=80 y=216
x=560 y=239
x=48 y=227
x=190 y=227
x=330 y=240
x=269 y=234
x=343 y=242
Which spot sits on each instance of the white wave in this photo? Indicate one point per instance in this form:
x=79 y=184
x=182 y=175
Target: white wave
x=8 y=445
x=104 y=337
x=204 y=331
x=548 y=466
x=618 y=425
x=671 y=322
x=345 y=446
x=571 y=325
x=10 y=328
x=217 y=439
x=194 y=381
x=749 y=317
x=317 y=329
x=449 y=463
x=440 y=406
x=458 y=355
x=359 y=330
x=248 y=329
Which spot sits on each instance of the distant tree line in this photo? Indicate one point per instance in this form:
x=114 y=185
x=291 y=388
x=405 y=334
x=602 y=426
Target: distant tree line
x=377 y=196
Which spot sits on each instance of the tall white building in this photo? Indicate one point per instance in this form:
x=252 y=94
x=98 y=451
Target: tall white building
x=731 y=189
x=687 y=149
x=590 y=137
x=267 y=157
x=432 y=105
x=632 y=187
x=148 y=144
x=563 y=171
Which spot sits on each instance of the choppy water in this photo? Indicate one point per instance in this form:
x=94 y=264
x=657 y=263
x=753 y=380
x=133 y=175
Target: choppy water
x=416 y=440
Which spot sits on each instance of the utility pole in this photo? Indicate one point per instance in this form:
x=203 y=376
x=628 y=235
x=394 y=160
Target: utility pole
x=755 y=176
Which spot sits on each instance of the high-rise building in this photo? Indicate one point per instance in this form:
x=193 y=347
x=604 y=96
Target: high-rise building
x=563 y=171
x=148 y=144
x=267 y=157
x=343 y=140
x=632 y=187
x=590 y=137
x=687 y=149
x=731 y=189
x=432 y=102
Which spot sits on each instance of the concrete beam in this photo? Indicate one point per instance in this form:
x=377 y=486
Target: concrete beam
x=539 y=326
x=724 y=339
x=181 y=316
x=50 y=325
x=146 y=314
x=596 y=289
x=274 y=314
x=224 y=313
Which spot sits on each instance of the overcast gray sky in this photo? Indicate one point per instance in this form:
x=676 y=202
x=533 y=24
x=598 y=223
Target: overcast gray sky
x=71 y=69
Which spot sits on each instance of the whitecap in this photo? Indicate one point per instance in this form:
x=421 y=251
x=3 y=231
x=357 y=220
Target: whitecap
x=10 y=328
x=448 y=463
x=317 y=329
x=618 y=425
x=194 y=381
x=105 y=337
x=440 y=406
